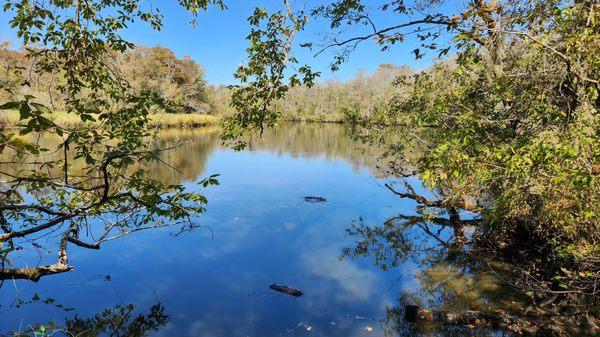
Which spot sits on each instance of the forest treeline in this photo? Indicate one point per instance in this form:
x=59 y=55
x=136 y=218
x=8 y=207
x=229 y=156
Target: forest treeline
x=179 y=83
x=181 y=86
x=364 y=95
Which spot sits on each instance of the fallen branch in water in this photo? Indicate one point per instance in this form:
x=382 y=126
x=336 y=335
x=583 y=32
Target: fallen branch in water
x=286 y=290
x=521 y=324
x=314 y=199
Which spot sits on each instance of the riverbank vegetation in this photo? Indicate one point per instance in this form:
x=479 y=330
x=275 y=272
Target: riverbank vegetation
x=363 y=96
x=509 y=132
x=177 y=83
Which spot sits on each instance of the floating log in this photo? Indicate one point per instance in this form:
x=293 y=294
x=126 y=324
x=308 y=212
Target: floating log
x=286 y=290
x=314 y=199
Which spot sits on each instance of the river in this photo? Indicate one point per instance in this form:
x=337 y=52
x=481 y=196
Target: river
x=355 y=256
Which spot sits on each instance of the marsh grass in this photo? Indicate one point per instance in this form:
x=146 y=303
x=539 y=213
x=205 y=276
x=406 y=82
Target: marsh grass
x=183 y=120
x=163 y=120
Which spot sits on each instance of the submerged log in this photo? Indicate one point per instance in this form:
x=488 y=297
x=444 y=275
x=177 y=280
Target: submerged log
x=469 y=318
x=415 y=314
x=286 y=290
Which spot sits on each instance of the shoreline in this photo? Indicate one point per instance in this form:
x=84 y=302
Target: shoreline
x=162 y=120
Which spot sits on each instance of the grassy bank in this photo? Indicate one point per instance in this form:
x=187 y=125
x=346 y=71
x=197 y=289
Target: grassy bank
x=182 y=120
x=10 y=118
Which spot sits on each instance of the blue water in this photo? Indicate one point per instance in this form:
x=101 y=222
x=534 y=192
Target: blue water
x=258 y=230
x=356 y=257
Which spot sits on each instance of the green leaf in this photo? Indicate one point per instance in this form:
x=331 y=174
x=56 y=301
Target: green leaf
x=10 y=106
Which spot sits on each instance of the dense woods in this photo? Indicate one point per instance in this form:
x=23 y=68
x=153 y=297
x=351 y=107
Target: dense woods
x=511 y=132
x=364 y=95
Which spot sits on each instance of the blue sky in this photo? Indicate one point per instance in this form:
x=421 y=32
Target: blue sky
x=218 y=41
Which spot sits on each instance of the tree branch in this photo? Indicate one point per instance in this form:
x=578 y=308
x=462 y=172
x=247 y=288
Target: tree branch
x=447 y=23
x=448 y=205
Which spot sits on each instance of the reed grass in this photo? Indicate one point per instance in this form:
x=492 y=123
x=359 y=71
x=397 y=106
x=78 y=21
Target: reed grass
x=163 y=121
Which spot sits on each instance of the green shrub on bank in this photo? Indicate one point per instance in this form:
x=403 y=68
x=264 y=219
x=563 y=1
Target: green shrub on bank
x=512 y=130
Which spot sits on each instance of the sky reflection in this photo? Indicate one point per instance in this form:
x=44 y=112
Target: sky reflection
x=259 y=230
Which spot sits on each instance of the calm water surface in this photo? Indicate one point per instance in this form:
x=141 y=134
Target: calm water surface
x=345 y=254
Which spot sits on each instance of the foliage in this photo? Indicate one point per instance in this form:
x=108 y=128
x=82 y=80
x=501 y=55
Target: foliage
x=263 y=77
x=332 y=101
x=510 y=129
x=118 y=322
x=109 y=200
x=179 y=84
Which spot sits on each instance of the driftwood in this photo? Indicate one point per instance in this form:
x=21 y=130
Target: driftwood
x=286 y=290
x=314 y=199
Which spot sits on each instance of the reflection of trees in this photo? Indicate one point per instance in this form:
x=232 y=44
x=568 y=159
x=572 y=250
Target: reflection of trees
x=404 y=237
x=119 y=321
x=313 y=140
x=451 y=277
x=305 y=140
x=460 y=279
x=187 y=161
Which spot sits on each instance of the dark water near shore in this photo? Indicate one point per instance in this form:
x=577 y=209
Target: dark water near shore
x=354 y=258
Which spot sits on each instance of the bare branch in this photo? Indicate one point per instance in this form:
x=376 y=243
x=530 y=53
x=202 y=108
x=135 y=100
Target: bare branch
x=448 y=205
x=381 y=32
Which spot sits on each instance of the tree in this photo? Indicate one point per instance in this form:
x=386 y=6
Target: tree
x=179 y=83
x=110 y=199
x=263 y=78
x=508 y=130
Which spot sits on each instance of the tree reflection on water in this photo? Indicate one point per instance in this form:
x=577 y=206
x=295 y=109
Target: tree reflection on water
x=119 y=321
x=451 y=277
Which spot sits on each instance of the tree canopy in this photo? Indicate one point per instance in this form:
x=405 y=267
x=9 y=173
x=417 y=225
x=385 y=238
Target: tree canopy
x=178 y=84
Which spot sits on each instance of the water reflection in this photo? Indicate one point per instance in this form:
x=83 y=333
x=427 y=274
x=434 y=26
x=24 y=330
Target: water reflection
x=193 y=147
x=356 y=278
x=458 y=290
x=119 y=321
x=329 y=142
